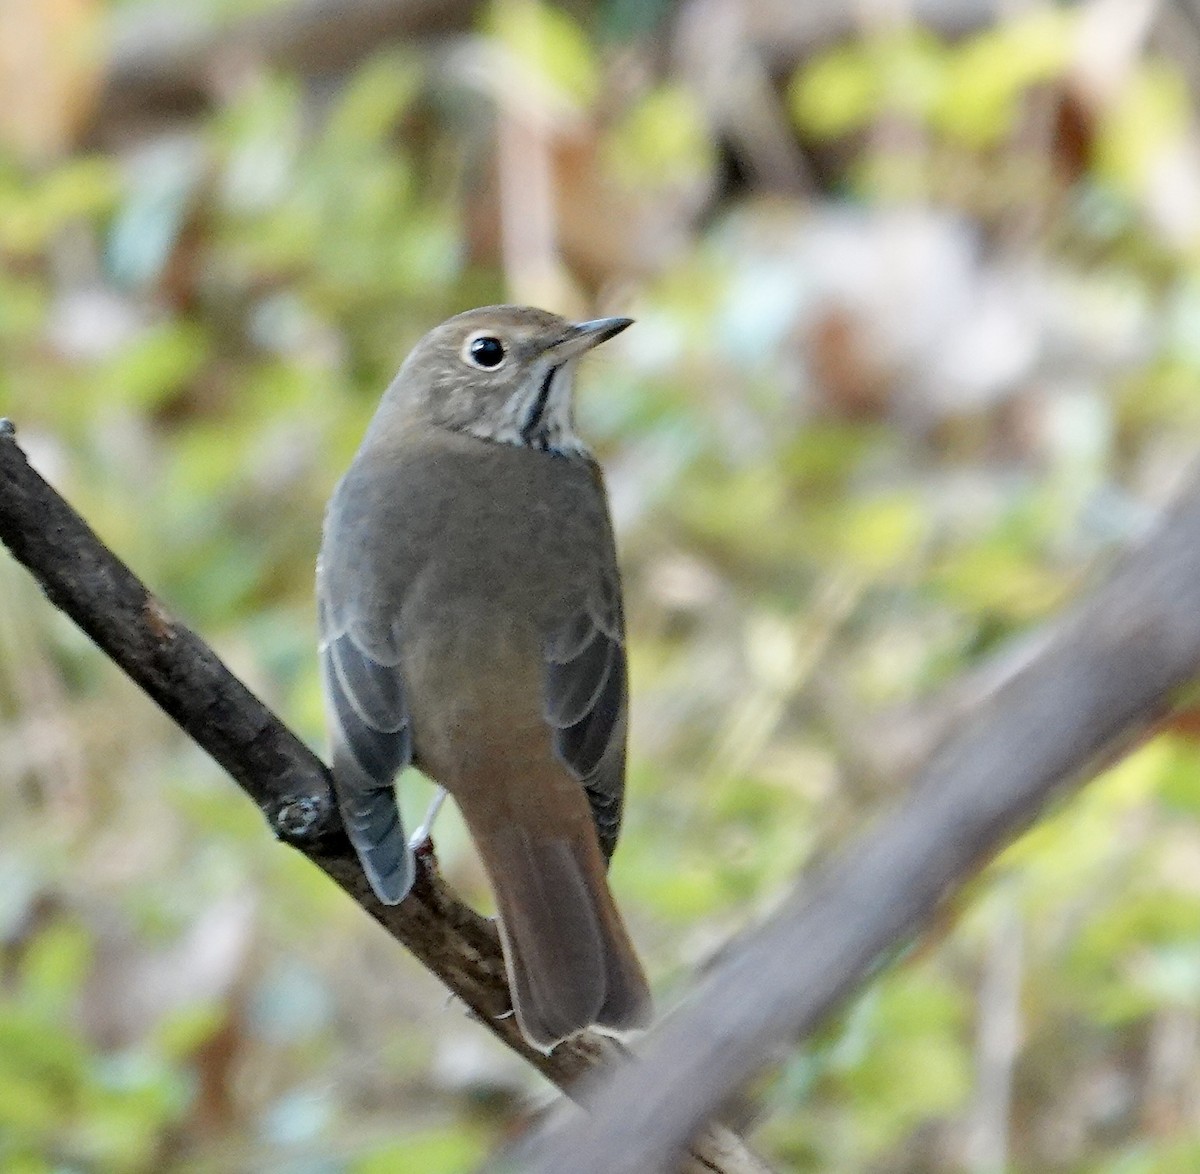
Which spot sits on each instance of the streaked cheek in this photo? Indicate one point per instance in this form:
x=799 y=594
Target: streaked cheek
x=460 y=403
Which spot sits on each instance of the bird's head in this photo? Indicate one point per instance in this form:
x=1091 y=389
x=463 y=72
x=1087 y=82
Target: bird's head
x=501 y=373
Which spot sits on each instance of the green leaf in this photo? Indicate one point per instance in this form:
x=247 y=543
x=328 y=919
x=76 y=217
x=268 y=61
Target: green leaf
x=987 y=77
x=371 y=104
x=879 y=534
x=546 y=42
x=55 y=966
x=1153 y=110
x=835 y=94
x=661 y=140
x=433 y=1151
x=151 y=369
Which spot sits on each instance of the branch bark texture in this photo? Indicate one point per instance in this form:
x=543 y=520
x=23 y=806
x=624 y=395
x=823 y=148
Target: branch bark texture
x=1109 y=672
x=289 y=783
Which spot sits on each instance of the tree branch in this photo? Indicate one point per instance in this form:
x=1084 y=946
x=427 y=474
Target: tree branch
x=1108 y=672
x=289 y=783
x=178 y=66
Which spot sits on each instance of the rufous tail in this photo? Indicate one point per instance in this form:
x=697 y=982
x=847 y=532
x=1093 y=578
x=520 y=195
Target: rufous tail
x=570 y=962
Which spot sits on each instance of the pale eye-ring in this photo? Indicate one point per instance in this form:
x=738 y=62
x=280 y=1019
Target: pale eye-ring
x=485 y=351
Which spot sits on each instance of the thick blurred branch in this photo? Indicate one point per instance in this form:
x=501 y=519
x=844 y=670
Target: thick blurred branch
x=176 y=65
x=288 y=782
x=1110 y=670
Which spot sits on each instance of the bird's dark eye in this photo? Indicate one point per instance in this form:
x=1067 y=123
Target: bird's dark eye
x=486 y=351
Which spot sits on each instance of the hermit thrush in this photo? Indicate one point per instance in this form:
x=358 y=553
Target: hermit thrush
x=471 y=624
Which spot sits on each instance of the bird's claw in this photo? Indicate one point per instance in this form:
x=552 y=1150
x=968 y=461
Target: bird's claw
x=421 y=845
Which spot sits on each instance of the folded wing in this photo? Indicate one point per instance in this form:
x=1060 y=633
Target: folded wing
x=371 y=741
x=585 y=702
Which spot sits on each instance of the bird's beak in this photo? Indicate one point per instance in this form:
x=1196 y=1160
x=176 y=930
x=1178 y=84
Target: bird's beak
x=581 y=337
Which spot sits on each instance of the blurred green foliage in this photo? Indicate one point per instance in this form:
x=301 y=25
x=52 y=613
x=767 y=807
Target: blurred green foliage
x=830 y=517
x=972 y=91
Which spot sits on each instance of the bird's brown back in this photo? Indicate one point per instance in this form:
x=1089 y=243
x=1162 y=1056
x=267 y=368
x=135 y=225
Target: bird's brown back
x=475 y=532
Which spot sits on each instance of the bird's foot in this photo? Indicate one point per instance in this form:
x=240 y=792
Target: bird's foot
x=421 y=846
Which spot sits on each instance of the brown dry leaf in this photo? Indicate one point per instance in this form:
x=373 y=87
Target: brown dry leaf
x=852 y=381
x=50 y=60
x=603 y=231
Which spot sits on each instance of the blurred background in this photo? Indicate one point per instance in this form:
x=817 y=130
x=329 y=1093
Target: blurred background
x=917 y=289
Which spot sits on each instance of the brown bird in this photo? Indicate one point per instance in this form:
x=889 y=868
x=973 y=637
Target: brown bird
x=471 y=624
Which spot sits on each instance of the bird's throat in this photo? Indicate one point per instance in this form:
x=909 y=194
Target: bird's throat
x=533 y=431
x=537 y=416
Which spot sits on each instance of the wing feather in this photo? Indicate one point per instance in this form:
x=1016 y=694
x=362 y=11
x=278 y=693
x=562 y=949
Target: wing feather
x=573 y=687
x=585 y=702
x=371 y=741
